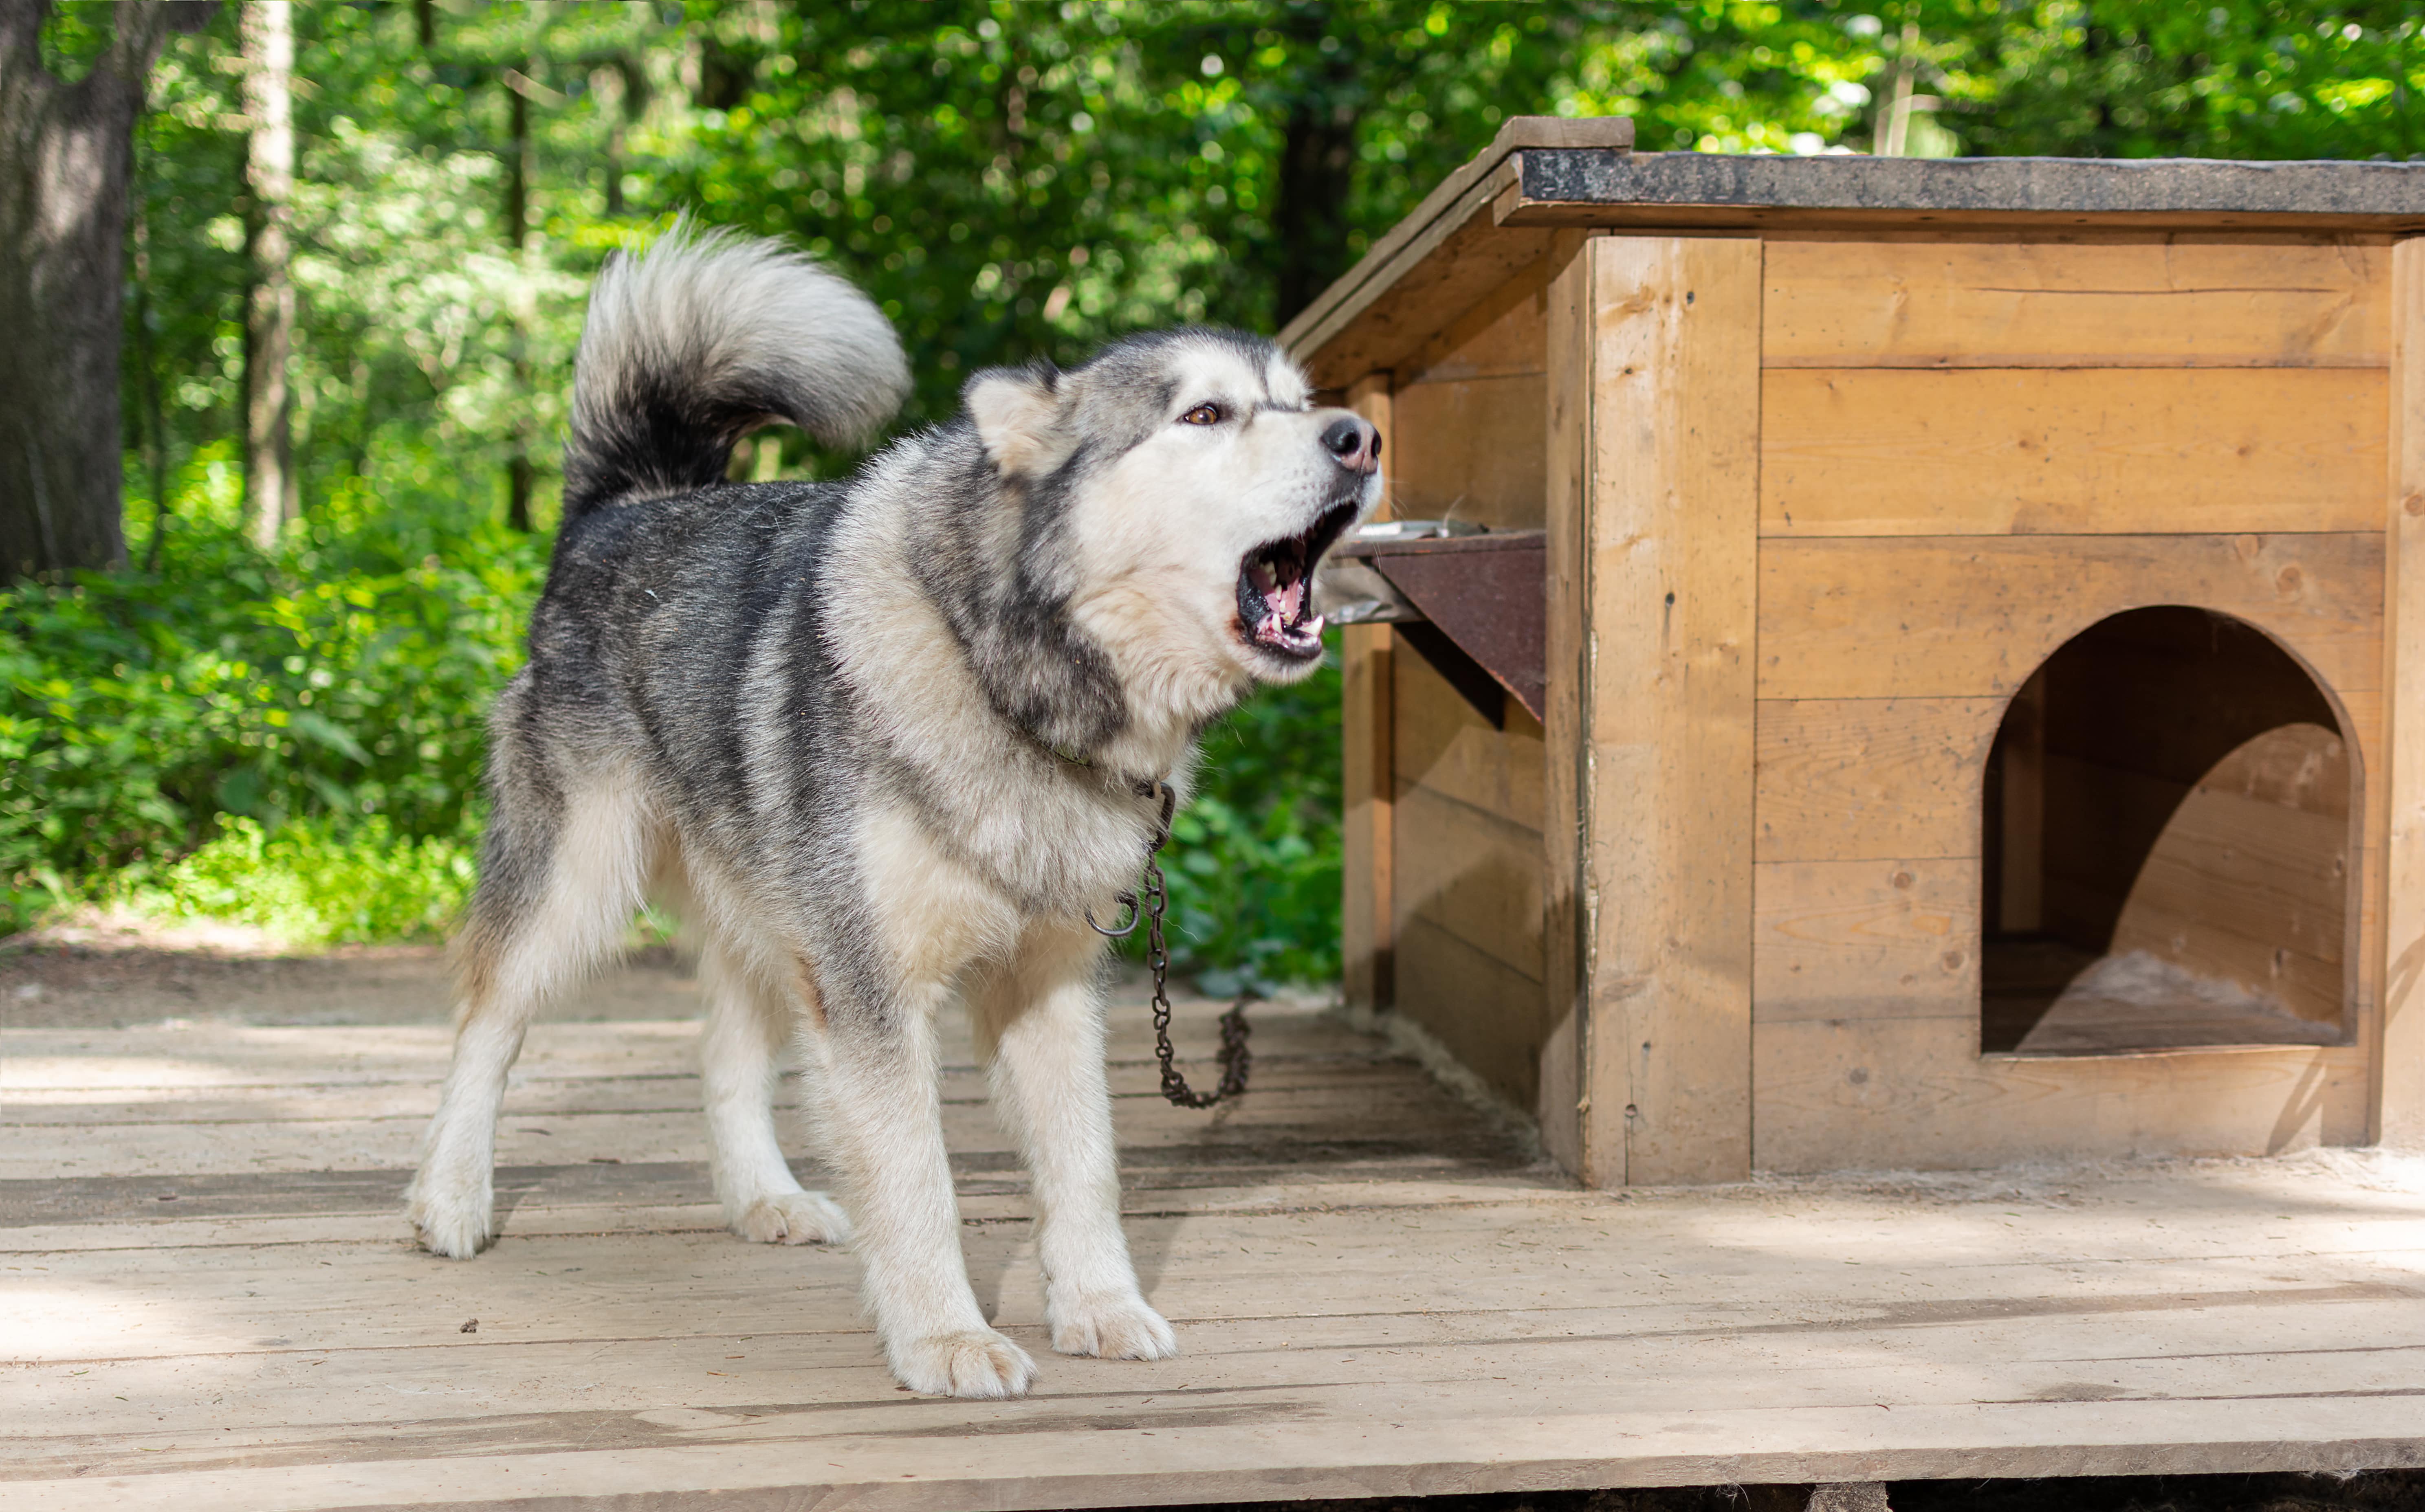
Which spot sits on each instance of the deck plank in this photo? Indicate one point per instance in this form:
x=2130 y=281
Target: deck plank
x=1376 y=1292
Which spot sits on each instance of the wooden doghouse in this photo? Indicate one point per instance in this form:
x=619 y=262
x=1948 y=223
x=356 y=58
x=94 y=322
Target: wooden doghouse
x=1981 y=707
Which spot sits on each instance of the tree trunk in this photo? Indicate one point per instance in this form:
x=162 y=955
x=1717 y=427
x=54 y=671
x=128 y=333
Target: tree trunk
x=272 y=495
x=65 y=155
x=1316 y=172
x=518 y=472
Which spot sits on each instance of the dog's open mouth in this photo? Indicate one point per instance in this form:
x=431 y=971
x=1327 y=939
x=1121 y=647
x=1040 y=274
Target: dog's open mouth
x=1276 y=587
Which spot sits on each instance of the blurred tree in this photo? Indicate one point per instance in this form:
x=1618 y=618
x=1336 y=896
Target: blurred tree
x=64 y=161
x=271 y=496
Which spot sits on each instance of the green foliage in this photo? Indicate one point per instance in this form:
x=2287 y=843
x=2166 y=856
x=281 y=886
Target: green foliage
x=1253 y=863
x=1008 y=181
x=312 y=882
x=343 y=679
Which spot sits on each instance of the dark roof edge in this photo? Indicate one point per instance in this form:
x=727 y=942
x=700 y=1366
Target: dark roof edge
x=2013 y=186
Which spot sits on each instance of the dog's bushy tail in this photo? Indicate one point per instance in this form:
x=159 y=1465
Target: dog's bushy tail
x=701 y=339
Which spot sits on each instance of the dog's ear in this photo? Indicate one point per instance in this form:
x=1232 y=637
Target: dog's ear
x=1018 y=411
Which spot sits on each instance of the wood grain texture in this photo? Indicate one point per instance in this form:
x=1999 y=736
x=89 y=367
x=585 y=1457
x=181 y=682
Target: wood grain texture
x=1566 y=904
x=1866 y=939
x=1868 y=1092
x=1980 y=303
x=1474 y=875
x=1891 y=451
x=1486 y=1011
x=1368 y=723
x=2400 y=1114
x=1441 y=272
x=1848 y=779
x=1973 y=617
x=1506 y=335
x=1471 y=449
x=1672 y=543
x=1442 y=745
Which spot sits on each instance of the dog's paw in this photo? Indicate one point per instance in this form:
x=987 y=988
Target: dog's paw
x=457 y=1224
x=978 y=1363
x=793 y=1217
x=1110 y=1328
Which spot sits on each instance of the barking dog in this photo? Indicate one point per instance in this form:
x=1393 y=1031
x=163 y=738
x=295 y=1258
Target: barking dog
x=884 y=741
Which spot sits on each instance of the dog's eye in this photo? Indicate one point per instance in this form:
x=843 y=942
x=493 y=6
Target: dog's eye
x=1202 y=415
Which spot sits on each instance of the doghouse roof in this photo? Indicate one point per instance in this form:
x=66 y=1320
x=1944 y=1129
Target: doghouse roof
x=1497 y=214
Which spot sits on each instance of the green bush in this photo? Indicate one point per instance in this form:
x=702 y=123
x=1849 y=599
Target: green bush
x=340 y=681
x=1253 y=864
x=313 y=882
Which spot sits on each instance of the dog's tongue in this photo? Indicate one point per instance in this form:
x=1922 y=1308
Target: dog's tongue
x=1287 y=599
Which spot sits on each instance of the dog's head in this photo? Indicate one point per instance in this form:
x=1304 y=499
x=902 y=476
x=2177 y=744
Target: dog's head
x=1197 y=485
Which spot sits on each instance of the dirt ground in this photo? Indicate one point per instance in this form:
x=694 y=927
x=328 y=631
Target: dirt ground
x=103 y=976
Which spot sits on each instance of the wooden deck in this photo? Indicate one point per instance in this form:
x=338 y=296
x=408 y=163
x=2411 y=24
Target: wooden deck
x=209 y=1301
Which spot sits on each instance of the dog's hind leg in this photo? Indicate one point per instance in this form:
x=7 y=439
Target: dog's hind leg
x=561 y=872
x=1043 y=1019
x=747 y=1029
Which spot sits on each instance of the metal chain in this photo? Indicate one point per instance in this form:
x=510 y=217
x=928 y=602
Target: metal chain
x=1149 y=904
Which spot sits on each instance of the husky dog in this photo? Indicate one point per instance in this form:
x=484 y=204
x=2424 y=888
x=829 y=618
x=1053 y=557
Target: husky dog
x=884 y=741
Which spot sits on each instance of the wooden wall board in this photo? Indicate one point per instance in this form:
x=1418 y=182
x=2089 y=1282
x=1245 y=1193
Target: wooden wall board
x=2249 y=867
x=1973 y=616
x=1671 y=517
x=1993 y=303
x=1442 y=745
x=1562 y=1107
x=2400 y=1090
x=1368 y=723
x=1916 y=1092
x=1506 y=335
x=1474 y=875
x=1487 y=1012
x=1852 y=779
x=1843 y=940
x=1896 y=451
x=1471 y=449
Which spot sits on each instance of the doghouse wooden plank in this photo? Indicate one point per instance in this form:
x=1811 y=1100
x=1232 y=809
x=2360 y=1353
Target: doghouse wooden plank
x=1972 y=617
x=1368 y=721
x=2400 y=1117
x=1672 y=524
x=1442 y=745
x=1487 y=1012
x=1855 y=1093
x=1471 y=449
x=1892 y=452
x=1850 y=779
x=1472 y=874
x=1444 y=269
x=1978 y=302
x=1864 y=940
x=1506 y=335
x=1567 y=649
x=2265 y=870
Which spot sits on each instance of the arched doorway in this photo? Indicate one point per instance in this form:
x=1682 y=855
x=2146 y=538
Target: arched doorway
x=2166 y=846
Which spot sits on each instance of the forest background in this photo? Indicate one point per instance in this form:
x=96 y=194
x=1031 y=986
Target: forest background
x=342 y=392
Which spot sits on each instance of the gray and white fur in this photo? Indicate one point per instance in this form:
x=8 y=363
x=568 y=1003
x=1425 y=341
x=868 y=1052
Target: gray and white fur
x=882 y=742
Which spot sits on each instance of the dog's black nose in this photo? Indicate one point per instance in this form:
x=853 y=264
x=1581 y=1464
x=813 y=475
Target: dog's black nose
x=1353 y=442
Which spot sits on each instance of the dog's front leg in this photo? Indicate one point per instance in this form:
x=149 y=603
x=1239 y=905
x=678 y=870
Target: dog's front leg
x=882 y=1114
x=1046 y=1021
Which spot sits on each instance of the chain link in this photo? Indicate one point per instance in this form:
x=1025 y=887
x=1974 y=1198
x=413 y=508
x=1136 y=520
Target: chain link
x=1148 y=903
